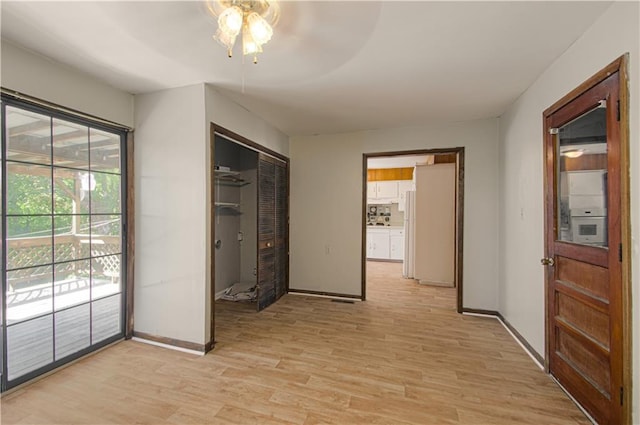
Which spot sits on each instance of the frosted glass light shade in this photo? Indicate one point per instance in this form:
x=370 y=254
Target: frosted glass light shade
x=260 y=29
x=249 y=45
x=230 y=21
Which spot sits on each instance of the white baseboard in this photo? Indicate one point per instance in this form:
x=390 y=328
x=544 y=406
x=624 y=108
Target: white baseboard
x=171 y=347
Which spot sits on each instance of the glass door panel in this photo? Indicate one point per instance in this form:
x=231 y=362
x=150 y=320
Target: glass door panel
x=582 y=183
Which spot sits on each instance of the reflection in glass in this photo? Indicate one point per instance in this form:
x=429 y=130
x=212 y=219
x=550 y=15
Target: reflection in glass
x=73 y=331
x=105 y=151
x=70 y=144
x=582 y=183
x=28 y=136
x=29 y=346
x=28 y=189
x=29 y=293
x=72 y=283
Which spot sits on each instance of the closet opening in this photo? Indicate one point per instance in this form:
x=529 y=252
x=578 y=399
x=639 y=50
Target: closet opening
x=249 y=227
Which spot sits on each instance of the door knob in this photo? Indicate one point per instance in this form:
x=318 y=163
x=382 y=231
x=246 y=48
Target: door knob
x=547 y=261
x=269 y=244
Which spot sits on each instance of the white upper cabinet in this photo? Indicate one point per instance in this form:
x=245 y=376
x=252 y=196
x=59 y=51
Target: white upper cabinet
x=383 y=191
x=387 y=189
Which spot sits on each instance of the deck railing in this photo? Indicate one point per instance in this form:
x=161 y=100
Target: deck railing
x=32 y=257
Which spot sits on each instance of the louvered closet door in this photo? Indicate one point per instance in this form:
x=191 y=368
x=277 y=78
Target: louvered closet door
x=273 y=230
x=266 y=232
x=282 y=230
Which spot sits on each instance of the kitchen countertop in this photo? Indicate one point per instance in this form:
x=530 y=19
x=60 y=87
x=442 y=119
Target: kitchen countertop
x=386 y=227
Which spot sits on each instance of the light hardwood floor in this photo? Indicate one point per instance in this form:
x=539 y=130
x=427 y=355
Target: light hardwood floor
x=402 y=357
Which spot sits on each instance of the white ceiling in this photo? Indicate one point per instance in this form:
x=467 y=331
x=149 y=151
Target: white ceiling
x=332 y=66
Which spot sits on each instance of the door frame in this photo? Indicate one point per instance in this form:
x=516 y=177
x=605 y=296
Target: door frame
x=459 y=211
x=250 y=144
x=619 y=65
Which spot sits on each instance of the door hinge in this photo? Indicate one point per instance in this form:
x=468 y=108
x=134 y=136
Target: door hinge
x=618 y=110
x=620 y=253
x=621 y=396
x=553 y=131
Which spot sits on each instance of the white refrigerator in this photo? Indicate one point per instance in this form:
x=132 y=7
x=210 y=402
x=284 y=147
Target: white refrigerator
x=408 y=264
x=430 y=226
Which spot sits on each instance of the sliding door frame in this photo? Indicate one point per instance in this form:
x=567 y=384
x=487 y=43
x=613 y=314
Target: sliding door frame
x=54 y=111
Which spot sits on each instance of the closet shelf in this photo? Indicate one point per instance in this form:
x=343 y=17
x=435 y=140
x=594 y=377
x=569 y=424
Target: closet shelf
x=230 y=178
x=227 y=205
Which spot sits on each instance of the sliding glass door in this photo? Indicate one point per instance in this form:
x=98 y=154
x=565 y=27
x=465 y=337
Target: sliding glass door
x=62 y=233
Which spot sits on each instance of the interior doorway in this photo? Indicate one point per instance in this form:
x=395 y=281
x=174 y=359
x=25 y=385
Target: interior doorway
x=390 y=241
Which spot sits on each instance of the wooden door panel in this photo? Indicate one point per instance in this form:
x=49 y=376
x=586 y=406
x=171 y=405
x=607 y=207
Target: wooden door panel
x=584 y=318
x=584 y=391
x=587 y=277
x=591 y=365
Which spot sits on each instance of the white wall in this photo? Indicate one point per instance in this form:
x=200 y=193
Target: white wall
x=521 y=173
x=171 y=205
x=326 y=171
x=41 y=77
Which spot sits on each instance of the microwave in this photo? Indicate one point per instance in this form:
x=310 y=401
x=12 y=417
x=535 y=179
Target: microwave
x=589 y=226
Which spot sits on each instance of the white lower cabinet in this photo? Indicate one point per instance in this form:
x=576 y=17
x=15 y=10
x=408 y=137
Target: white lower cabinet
x=396 y=244
x=385 y=244
x=378 y=243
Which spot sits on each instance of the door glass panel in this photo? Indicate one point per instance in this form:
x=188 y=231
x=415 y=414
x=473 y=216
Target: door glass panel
x=72 y=283
x=105 y=151
x=73 y=332
x=28 y=189
x=105 y=193
x=105 y=318
x=582 y=184
x=105 y=276
x=29 y=293
x=28 y=136
x=70 y=144
x=29 y=346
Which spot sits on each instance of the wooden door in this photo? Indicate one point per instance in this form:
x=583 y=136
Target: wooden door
x=583 y=246
x=273 y=225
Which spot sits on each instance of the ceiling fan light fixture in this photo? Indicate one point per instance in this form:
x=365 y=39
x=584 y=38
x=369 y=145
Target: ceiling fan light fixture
x=573 y=153
x=254 y=18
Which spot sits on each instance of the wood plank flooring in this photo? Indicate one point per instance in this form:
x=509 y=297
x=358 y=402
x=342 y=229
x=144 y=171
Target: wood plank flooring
x=402 y=357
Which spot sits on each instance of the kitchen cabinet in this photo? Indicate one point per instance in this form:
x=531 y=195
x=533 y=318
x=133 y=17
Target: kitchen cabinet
x=396 y=244
x=385 y=244
x=385 y=191
x=378 y=243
